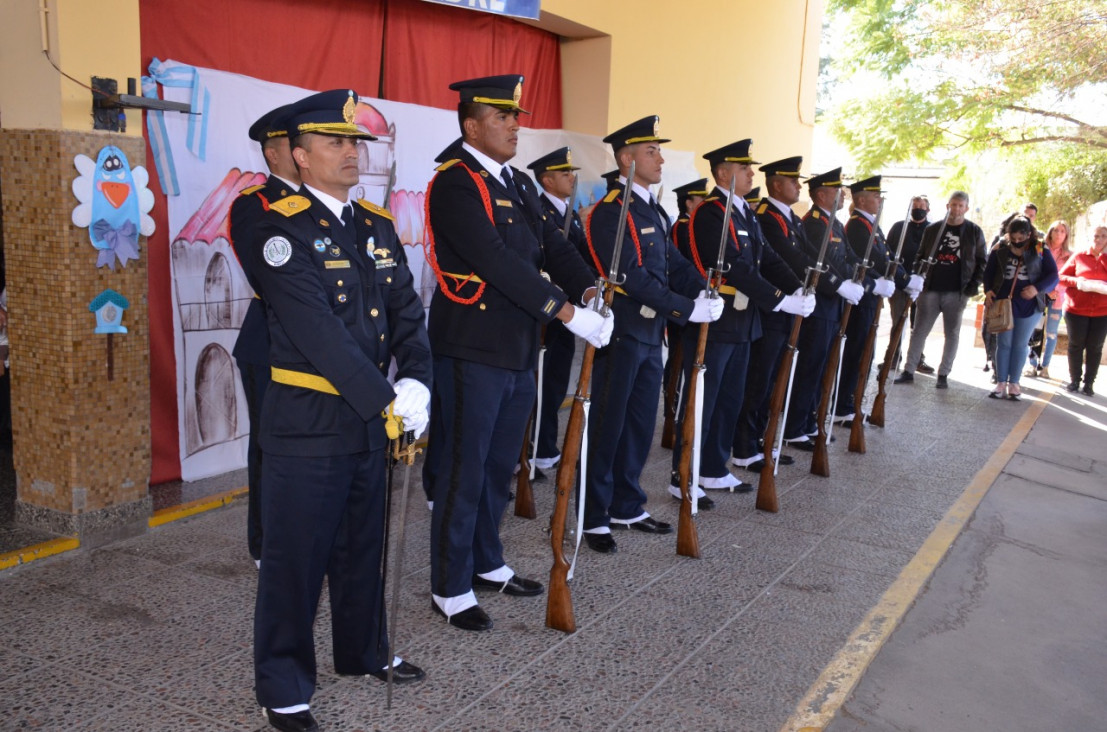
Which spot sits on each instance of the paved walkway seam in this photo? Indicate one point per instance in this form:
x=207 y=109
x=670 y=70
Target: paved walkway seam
x=821 y=703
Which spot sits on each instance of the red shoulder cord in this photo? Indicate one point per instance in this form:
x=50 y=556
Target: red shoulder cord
x=592 y=249
x=428 y=245
x=864 y=221
x=779 y=219
x=692 y=235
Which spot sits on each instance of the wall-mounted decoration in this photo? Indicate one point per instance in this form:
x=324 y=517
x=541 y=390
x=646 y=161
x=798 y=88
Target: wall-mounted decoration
x=114 y=204
x=108 y=307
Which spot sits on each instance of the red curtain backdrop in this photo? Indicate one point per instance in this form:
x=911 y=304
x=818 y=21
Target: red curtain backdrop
x=428 y=47
x=325 y=44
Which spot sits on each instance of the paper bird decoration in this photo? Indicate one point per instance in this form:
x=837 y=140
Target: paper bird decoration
x=114 y=204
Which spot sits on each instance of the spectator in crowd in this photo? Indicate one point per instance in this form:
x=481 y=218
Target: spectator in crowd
x=1024 y=271
x=1085 y=275
x=1057 y=241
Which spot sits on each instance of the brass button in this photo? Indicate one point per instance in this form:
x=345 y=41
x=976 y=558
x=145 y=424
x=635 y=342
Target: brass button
x=380 y=365
x=388 y=280
x=342 y=297
x=374 y=312
x=340 y=283
x=483 y=307
x=382 y=336
x=509 y=220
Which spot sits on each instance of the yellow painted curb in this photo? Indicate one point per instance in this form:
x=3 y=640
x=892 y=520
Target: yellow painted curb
x=192 y=508
x=38 y=551
x=817 y=709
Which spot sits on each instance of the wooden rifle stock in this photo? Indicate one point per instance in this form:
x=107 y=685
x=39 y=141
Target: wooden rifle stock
x=688 y=540
x=559 y=601
x=766 y=484
x=820 y=458
x=876 y=417
x=672 y=392
x=857 y=429
x=524 y=496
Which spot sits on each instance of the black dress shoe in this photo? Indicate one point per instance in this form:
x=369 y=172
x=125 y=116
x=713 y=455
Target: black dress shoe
x=648 y=525
x=806 y=446
x=1073 y=386
x=1088 y=390
x=518 y=586
x=471 y=618
x=785 y=460
x=943 y=383
x=742 y=487
x=538 y=475
x=905 y=377
x=405 y=673
x=294 y=722
x=703 y=504
x=602 y=543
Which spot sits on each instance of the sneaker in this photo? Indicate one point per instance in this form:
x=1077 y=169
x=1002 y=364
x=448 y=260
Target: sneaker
x=905 y=378
x=943 y=383
x=924 y=368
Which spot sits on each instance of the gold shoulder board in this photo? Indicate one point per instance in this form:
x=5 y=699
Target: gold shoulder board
x=448 y=164
x=251 y=189
x=762 y=207
x=291 y=205
x=815 y=213
x=378 y=210
x=611 y=195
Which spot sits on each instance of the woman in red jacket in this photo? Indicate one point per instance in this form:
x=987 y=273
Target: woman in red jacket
x=1085 y=274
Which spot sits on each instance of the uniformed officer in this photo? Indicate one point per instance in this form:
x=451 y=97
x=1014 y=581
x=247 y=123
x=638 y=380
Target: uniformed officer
x=488 y=245
x=251 y=349
x=861 y=224
x=689 y=196
x=783 y=233
x=340 y=306
x=556 y=175
x=817 y=331
x=660 y=286
x=757 y=283
x=754 y=196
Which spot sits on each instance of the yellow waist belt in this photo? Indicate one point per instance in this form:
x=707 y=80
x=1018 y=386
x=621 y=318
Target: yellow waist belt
x=299 y=378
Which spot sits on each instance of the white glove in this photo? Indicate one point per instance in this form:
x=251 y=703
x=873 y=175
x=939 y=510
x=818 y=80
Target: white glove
x=884 y=287
x=851 y=291
x=705 y=309
x=591 y=326
x=797 y=304
x=914 y=287
x=412 y=400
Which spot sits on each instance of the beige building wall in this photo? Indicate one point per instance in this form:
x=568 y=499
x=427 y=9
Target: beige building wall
x=715 y=72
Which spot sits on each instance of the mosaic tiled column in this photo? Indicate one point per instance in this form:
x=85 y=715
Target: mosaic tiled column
x=81 y=439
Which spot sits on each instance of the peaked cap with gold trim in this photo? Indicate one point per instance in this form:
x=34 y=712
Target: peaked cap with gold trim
x=735 y=152
x=327 y=113
x=497 y=91
x=273 y=123
x=871 y=185
x=646 y=129
x=560 y=159
x=829 y=179
x=789 y=167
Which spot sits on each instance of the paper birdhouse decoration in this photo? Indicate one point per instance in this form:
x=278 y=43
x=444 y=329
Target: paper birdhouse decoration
x=114 y=203
x=108 y=307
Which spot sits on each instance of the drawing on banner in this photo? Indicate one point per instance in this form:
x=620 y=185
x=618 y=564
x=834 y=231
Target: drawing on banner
x=114 y=204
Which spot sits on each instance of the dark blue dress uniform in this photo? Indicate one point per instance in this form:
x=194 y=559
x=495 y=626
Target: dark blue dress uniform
x=559 y=342
x=340 y=305
x=819 y=328
x=857 y=231
x=758 y=280
x=251 y=348
x=783 y=233
x=490 y=244
x=626 y=379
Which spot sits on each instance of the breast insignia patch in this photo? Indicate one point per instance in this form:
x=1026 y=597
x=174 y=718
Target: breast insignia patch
x=277 y=251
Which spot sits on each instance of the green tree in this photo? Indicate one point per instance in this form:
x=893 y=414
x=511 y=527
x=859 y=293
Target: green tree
x=968 y=75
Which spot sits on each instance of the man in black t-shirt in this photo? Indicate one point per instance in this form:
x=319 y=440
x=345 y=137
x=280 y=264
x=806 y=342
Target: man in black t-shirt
x=954 y=277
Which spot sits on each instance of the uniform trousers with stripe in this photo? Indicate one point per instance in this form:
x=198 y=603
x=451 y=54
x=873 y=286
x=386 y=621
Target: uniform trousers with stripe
x=765 y=355
x=483 y=413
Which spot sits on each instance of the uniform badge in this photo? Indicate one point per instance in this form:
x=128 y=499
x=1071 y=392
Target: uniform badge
x=336 y=251
x=327 y=240
x=320 y=246
x=277 y=251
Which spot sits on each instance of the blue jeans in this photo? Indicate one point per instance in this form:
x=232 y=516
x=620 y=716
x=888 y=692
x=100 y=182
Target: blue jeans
x=1049 y=334
x=1012 y=347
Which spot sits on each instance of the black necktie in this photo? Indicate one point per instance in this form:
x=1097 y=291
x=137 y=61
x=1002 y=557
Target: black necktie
x=348 y=216
x=509 y=183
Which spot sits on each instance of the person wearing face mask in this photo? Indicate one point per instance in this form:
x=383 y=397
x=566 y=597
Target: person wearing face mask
x=1024 y=271
x=905 y=296
x=955 y=277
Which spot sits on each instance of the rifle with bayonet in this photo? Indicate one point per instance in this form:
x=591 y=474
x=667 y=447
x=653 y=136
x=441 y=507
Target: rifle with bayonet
x=559 y=601
x=857 y=428
x=922 y=268
x=766 y=484
x=820 y=458
x=688 y=541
